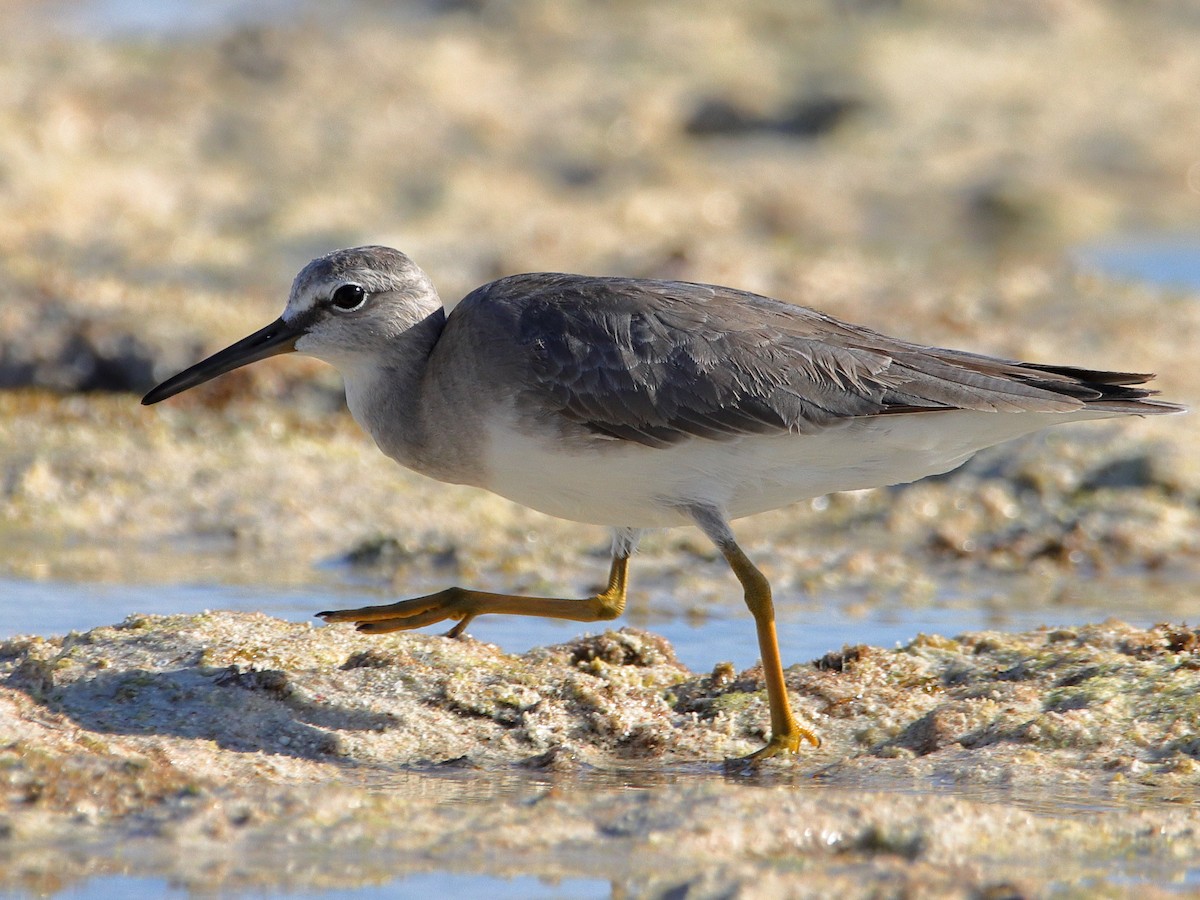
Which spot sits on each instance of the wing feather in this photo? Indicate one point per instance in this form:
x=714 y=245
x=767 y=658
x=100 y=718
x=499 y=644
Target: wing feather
x=658 y=362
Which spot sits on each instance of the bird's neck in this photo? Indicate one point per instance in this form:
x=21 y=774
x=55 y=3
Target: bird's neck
x=384 y=392
x=399 y=400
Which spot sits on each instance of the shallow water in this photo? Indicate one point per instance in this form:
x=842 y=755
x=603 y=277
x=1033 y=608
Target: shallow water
x=180 y=20
x=1129 y=872
x=412 y=887
x=1170 y=261
x=172 y=18
x=808 y=629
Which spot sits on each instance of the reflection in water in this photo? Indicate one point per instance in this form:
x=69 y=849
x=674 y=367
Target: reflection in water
x=457 y=783
x=460 y=782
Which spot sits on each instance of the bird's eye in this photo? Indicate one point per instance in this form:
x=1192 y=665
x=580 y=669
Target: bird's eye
x=348 y=297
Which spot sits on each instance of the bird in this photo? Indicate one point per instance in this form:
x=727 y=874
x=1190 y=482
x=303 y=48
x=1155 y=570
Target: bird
x=641 y=404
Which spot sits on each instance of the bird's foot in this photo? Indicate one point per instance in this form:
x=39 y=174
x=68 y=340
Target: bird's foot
x=781 y=744
x=452 y=603
x=463 y=604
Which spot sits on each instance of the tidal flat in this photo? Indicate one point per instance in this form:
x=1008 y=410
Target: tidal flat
x=233 y=751
x=925 y=169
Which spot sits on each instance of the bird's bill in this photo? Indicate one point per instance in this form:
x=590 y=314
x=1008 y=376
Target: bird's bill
x=278 y=337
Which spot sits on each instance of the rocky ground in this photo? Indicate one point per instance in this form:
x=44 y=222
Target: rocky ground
x=922 y=168
x=189 y=738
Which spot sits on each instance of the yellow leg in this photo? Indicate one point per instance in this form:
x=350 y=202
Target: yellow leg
x=786 y=735
x=463 y=604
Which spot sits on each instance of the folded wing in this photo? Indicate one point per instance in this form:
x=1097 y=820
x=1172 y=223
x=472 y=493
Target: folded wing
x=659 y=362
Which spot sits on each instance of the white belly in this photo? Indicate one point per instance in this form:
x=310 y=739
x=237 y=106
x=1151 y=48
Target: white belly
x=621 y=484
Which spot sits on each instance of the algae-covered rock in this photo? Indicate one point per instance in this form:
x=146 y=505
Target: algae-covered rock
x=378 y=755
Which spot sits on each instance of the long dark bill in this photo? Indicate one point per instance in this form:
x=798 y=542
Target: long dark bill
x=278 y=337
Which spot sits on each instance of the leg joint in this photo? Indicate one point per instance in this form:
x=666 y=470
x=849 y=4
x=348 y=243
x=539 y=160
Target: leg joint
x=610 y=602
x=607 y=609
x=754 y=582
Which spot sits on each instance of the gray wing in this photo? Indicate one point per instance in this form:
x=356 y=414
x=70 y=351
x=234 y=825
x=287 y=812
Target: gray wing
x=658 y=362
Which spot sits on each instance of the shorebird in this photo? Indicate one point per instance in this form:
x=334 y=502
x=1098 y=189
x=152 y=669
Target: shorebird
x=638 y=404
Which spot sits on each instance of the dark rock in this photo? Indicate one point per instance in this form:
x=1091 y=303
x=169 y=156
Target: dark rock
x=1130 y=472
x=60 y=349
x=805 y=118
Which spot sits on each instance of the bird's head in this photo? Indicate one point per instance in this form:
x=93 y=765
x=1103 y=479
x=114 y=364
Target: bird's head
x=345 y=308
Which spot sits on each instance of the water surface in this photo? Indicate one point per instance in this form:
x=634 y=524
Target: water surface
x=808 y=628
x=1164 y=260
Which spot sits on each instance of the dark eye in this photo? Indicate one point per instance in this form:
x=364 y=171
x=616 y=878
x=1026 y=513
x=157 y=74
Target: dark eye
x=348 y=297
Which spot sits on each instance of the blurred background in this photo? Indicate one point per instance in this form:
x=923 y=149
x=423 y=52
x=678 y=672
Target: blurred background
x=1020 y=179
x=155 y=154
